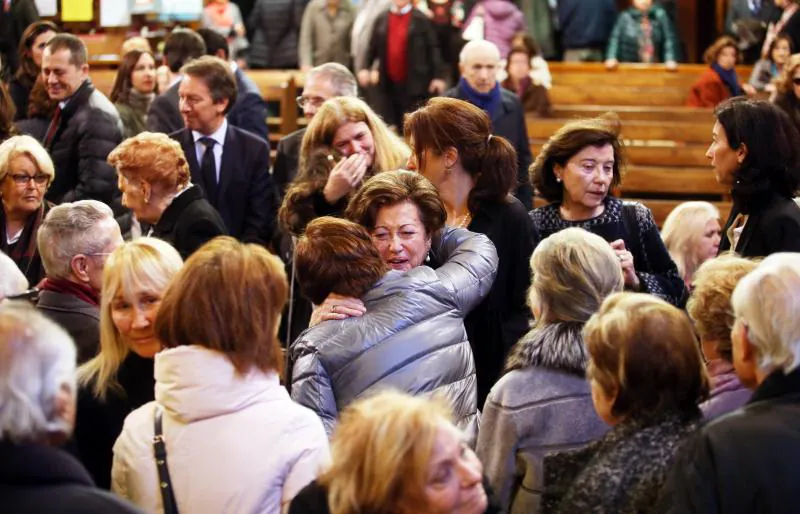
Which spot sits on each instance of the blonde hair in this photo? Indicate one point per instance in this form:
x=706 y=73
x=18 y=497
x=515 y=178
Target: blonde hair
x=683 y=230
x=29 y=147
x=572 y=272
x=785 y=82
x=710 y=303
x=768 y=300
x=390 y=151
x=143 y=264
x=380 y=450
x=645 y=349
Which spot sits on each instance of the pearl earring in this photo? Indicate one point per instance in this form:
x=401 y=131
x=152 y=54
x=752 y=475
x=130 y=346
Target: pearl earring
x=558 y=179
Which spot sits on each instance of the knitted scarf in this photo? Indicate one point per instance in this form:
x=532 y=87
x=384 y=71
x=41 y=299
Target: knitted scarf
x=729 y=78
x=489 y=102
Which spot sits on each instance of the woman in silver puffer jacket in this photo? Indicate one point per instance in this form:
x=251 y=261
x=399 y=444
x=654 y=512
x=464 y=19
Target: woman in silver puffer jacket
x=411 y=334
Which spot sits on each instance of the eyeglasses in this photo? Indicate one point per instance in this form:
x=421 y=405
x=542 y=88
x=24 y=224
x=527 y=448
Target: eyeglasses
x=314 y=101
x=796 y=81
x=22 y=179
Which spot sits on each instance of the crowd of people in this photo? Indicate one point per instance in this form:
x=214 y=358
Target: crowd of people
x=380 y=320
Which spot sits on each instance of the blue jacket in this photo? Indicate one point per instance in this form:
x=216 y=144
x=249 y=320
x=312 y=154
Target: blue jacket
x=586 y=23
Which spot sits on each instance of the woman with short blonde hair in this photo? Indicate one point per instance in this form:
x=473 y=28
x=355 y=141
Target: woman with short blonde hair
x=787 y=96
x=26 y=172
x=395 y=453
x=344 y=145
x=709 y=307
x=545 y=381
x=120 y=378
x=218 y=393
x=647 y=378
x=692 y=235
x=154 y=178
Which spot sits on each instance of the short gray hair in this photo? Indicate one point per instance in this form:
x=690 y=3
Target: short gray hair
x=342 y=79
x=37 y=360
x=768 y=299
x=68 y=230
x=12 y=281
x=477 y=45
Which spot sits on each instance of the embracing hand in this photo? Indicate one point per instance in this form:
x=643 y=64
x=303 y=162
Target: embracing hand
x=344 y=177
x=626 y=263
x=337 y=307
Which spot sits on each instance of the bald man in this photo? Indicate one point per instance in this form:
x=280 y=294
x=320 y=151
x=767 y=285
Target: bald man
x=479 y=62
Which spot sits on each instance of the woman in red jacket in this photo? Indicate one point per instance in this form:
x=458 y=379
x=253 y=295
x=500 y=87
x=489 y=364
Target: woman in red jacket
x=719 y=82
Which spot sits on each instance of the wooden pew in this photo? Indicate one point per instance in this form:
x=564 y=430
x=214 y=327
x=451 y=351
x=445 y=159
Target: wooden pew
x=690 y=132
x=637 y=113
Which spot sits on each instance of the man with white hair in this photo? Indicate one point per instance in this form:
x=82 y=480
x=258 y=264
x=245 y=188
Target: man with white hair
x=37 y=414
x=749 y=460
x=479 y=63
x=12 y=281
x=74 y=241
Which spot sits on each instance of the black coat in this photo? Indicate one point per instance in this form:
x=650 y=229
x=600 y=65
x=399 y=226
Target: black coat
x=274 y=29
x=792 y=29
x=423 y=55
x=245 y=195
x=88 y=130
x=502 y=318
x=98 y=423
x=747 y=461
x=287 y=161
x=36 y=478
x=189 y=222
x=80 y=319
x=249 y=112
x=509 y=122
x=773 y=226
x=20 y=94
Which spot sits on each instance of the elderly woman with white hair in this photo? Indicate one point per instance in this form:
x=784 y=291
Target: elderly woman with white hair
x=26 y=171
x=120 y=378
x=37 y=409
x=748 y=461
x=692 y=234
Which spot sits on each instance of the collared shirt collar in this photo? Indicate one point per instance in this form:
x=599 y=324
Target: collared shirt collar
x=218 y=135
x=175 y=80
x=404 y=10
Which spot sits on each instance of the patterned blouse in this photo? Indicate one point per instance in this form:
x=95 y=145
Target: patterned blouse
x=657 y=272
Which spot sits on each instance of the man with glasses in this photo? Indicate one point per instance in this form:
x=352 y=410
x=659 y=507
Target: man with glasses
x=74 y=241
x=326 y=81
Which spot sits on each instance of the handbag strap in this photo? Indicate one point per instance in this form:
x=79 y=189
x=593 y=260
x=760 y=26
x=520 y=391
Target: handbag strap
x=160 y=451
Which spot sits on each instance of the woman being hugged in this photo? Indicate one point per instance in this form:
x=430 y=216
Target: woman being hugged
x=344 y=145
x=134 y=90
x=475 y=173
x=575 y=173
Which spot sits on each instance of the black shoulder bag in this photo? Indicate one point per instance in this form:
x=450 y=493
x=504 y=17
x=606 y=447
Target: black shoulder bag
x=164 y=482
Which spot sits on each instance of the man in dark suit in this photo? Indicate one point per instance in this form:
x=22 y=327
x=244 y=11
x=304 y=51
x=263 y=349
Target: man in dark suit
x=180 y=47
x=411 y=68
x=323 y=82
x=478 y=85
x=250 y=110
x=748 y=21
x=230 y=164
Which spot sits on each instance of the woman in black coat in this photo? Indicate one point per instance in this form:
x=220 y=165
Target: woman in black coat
x=763 y=174
x=154 y=180
x=475 y=173
x=31 y=47
x=575 y=172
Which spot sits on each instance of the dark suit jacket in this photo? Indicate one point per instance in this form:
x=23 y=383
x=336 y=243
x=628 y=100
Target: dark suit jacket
x=245 y=197
x=423 y=54
x=189 y=222
x=772 y=226
x=286 y=161
x=249 y=112
x=509 y=122
x=81 y=320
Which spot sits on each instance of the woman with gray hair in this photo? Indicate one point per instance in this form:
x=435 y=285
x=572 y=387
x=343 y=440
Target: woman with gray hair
x=766 y=356
x=37 y=412
x=544 y=400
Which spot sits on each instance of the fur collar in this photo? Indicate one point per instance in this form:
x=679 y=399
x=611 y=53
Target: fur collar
x=556 y=346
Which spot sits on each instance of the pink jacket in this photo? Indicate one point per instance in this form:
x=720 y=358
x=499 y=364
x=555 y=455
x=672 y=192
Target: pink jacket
x=235 y=444
x=502 y=19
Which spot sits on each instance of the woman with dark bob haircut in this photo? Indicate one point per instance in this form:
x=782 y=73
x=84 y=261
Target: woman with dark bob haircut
x=575 y=172
x=763 y=174
x=392 y=344
x=475 y=173
x=647 y=377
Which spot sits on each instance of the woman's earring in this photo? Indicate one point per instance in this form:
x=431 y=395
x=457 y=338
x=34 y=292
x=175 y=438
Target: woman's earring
x=558 y=179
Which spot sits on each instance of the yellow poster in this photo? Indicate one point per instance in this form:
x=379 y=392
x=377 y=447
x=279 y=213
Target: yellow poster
x=77 y=10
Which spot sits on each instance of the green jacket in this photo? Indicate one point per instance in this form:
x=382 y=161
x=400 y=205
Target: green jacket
x=623 y=45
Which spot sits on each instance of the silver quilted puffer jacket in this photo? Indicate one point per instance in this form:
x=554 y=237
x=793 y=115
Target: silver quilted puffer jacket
x=412 y=337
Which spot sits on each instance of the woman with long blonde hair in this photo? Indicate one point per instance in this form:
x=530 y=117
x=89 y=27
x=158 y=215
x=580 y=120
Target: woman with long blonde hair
x=692 y=235
x=397 y=454
x=345 y=144
x=120 y=378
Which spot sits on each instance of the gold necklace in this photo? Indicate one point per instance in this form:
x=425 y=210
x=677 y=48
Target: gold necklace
x=465 y=220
